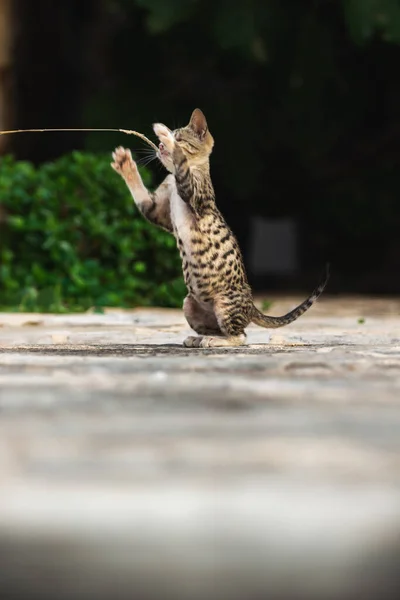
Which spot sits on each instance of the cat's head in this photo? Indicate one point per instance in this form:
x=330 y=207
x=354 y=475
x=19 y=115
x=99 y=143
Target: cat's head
x=195 y=140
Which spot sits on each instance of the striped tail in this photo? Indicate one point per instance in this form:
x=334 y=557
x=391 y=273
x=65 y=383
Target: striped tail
x=272 y=322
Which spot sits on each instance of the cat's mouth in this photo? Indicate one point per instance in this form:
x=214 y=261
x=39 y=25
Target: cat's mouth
x=165 y=157
x=163 y=151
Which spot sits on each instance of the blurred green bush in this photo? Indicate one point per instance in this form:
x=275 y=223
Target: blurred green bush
x=72 y=239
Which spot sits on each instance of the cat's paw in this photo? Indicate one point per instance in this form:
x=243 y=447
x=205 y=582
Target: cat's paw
x=198 y=341
x=124 y=163
x=190 y=342
x=165 y=136
x=206 y=341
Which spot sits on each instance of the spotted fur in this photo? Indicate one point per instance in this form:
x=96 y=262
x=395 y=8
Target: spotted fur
x=219 y=305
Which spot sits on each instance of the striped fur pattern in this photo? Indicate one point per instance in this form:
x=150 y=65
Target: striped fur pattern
x=219 y=305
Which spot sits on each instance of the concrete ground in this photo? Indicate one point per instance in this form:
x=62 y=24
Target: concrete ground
x=133 y=467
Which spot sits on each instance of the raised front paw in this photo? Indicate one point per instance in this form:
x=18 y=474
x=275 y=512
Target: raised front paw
x=164 y=135
x=124 y=163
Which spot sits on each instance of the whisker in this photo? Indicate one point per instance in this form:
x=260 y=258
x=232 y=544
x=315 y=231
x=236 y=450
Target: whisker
x=146 y=160
x=146 y=151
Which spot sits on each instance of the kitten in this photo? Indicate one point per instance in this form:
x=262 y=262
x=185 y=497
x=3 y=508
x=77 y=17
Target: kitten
x=219 y=305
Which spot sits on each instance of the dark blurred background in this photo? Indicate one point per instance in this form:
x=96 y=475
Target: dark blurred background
x=302 y=97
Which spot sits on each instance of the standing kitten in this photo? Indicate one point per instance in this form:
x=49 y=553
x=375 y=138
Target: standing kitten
x=219 y=305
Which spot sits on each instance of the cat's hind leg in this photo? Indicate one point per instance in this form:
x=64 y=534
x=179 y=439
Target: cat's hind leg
x=201 y=320
x=231 y=316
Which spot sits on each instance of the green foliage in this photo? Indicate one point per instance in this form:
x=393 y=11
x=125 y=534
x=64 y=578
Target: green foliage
x=163 y=15
x=72 y=239
x=266 y=305
x=365 y=18
x=241 y=24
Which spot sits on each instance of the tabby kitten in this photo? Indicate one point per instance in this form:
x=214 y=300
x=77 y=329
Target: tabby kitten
x=219 y=305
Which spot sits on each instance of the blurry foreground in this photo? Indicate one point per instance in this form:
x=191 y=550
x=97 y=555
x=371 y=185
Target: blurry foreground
x=134 y=468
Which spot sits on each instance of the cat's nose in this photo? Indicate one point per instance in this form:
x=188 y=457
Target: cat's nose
x=161 y=146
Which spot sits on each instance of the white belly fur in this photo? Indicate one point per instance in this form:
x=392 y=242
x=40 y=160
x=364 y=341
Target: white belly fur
x=181 y=218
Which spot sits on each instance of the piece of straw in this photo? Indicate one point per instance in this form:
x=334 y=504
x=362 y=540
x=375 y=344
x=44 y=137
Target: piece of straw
x=127 y=131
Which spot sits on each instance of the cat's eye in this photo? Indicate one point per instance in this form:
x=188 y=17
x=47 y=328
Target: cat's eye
x=189 y=148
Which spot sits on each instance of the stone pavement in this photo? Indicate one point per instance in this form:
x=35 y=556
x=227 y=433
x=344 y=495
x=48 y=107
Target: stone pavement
x=133 y=467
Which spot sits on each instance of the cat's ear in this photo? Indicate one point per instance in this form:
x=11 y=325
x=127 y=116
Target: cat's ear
x=198 y=123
